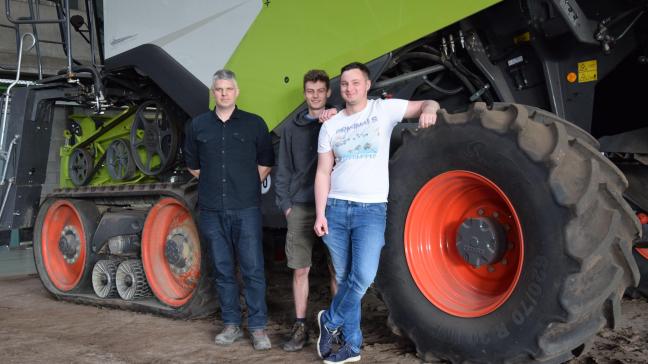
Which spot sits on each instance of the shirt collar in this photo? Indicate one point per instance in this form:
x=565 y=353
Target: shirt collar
x=236 y=114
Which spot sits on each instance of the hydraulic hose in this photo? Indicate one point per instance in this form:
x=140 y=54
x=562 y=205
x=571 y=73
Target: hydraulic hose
x=451 y=67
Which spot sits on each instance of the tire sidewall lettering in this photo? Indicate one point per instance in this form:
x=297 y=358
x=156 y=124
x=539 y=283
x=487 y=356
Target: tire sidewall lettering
x=532 y=293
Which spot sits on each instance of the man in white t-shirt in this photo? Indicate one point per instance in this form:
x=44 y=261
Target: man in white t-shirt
x=351 y=187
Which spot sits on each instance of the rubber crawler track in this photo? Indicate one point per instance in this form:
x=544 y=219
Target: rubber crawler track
x=599 y=233
x=203 y=303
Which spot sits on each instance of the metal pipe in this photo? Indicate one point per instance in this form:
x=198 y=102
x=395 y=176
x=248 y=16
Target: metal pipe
x=27 y=21
x=14 y=141
x=3 y=126
x=6 y=195
x=68 y=39
x=407 y=76
x=36 y=15
x=91 y=25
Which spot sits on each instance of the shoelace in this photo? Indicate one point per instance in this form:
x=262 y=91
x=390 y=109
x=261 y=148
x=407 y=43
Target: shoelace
x=297 y=334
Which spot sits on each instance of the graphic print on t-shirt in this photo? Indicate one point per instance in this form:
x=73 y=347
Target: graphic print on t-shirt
x=357 y=141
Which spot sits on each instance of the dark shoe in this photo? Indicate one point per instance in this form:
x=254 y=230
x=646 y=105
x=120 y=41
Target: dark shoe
x=229 y=334
x=326 y=338
x=298 y=337
x=344 y=355
x=260 y=340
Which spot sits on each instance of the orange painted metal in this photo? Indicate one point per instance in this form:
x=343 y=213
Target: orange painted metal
x=441 y=274
x=63 y=275
x=172 y=288
x=643 y=219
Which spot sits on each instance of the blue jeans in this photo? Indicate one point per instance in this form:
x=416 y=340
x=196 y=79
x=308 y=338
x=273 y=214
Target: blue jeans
x=236 y=235
x=356 y=234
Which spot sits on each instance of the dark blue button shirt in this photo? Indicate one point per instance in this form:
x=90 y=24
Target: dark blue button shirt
x=227 y=155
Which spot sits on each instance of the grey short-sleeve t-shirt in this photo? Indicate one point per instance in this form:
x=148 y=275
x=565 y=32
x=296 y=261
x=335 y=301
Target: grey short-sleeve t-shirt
x=360 y=144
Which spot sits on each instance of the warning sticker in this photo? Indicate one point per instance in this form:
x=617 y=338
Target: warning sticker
x=587 y=71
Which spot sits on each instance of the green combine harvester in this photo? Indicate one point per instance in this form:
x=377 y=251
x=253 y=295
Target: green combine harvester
x=541 y=137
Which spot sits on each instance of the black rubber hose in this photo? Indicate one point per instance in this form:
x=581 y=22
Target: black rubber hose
x=434 y=85
x=99 y=86
x=486 y=96
x=451 y=67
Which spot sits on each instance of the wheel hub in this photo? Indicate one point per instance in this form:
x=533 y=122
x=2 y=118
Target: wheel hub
x=457 y=221
x=178 y=251
x=481 y=240
x=151 y=138
x=70 y=244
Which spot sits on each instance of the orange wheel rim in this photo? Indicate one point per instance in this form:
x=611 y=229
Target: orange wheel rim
x=441 y=274
x=643 y=252
x=643 y=219
x=62 y=226
x=171 y=252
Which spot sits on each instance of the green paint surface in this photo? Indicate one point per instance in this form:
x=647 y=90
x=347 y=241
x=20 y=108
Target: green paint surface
x=289 y=37
x=90 y=125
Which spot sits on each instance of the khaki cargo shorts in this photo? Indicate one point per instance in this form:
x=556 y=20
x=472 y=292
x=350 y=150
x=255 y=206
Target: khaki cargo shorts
x=301 y=237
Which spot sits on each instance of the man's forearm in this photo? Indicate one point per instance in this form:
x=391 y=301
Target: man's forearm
x=430 y=106
x=264 y=172
x=322 y=188
x=194 y=172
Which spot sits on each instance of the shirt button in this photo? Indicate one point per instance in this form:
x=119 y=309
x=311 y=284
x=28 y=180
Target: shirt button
x=224 y=180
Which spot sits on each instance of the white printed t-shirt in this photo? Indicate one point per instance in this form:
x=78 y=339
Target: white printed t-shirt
x=360 y=143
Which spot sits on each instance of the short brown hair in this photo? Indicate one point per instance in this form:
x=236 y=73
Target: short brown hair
x=316 y=75
x=358 y=66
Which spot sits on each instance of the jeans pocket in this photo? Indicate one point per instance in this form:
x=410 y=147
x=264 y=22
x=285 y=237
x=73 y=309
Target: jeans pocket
x=378 y=208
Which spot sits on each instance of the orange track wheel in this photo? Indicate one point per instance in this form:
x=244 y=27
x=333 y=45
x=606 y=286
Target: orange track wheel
x=171 y=252
x=63 y=245
x=441 y=274
x=643 y=219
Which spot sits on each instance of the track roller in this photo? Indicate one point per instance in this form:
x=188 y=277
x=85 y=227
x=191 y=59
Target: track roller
x=131 y=281
x=103 y=278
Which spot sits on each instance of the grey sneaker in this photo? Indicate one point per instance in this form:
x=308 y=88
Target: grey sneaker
x=229 y=334
x=298 y=337
x=260 y=340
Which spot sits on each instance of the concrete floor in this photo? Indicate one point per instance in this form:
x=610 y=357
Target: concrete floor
x=16 y=261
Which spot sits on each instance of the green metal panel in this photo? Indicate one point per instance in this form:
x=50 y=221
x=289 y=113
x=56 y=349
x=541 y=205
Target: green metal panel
x=290 y=37
x=112 y=127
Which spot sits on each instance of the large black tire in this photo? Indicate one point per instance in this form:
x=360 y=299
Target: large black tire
x=642 y=263
x=576 y=226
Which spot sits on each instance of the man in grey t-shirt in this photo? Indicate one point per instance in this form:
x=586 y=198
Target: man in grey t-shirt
x=351 y=200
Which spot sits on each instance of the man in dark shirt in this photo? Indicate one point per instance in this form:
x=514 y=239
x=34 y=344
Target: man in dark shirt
x=230 y=151
x=296 y=197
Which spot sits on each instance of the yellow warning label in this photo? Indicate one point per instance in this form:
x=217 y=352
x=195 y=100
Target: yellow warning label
x=524 y=37
x=587 y=71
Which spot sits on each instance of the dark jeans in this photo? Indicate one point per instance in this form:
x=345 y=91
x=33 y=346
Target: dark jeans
x=236 y=235
x=355 y=238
